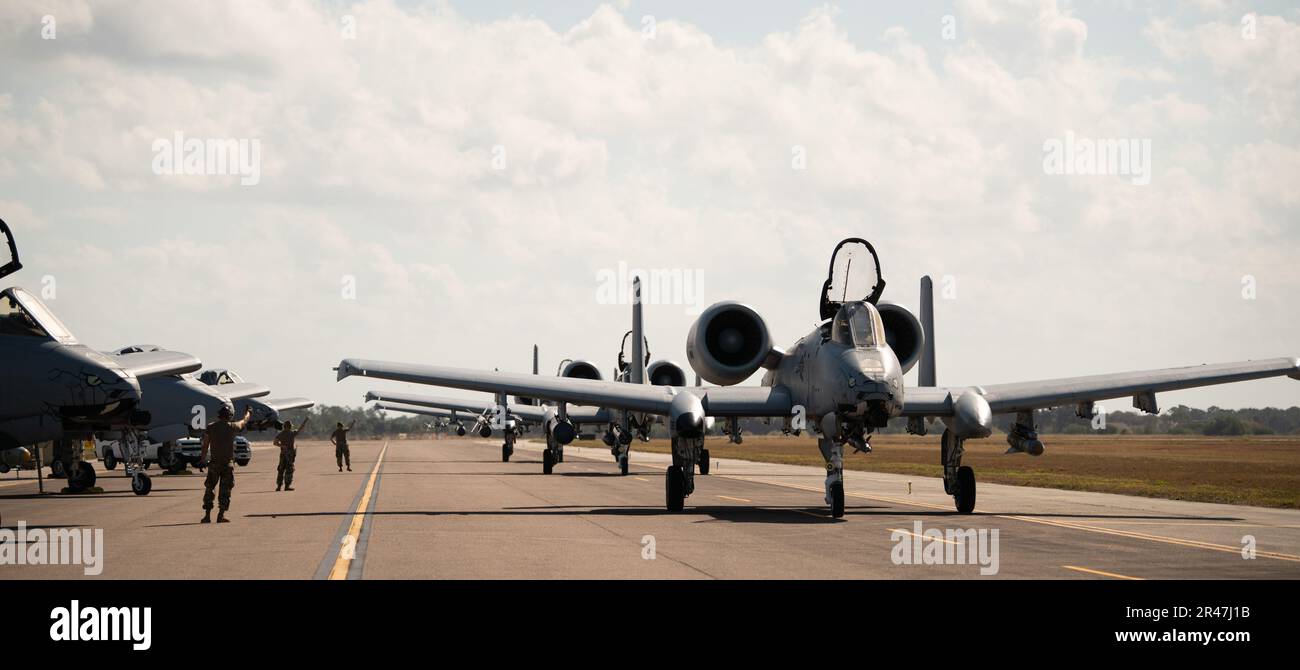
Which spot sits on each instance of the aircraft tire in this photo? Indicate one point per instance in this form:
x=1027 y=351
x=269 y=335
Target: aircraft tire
x=674 y=489
x=704 y=461
x=82 y=477
x=110 y=461
x=548 y=461
x=141 y=484
x=837 y=500
x=622 y=465
x=965 y=495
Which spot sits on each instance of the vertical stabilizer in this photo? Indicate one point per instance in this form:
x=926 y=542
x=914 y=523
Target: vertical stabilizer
x=636 y=373
x=927 y=374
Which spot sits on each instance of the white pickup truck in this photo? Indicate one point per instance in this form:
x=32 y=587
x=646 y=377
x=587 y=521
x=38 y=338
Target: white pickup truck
x=112 y=453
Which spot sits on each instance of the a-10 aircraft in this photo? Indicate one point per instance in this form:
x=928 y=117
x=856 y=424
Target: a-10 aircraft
x=181 y=405
x=560 y=424
x=845 y=378
x=57 y=389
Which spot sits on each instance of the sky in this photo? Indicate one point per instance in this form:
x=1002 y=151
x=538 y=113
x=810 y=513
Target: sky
x=451 y=183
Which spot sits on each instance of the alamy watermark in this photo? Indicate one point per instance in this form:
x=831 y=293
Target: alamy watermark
x=53 y=546
x=952 y=546
x=1073 y=155
x=179 y=155
x=659 y=286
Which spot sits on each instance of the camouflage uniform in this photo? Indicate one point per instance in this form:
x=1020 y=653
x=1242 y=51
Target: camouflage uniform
x=221 y=450
x=288 y=454
x=341 y=452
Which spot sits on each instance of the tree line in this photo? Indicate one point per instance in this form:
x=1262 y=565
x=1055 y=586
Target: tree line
x=1179 y=420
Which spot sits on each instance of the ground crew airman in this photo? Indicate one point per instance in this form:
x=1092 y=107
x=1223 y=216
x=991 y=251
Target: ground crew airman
x=340 y=439
x=218 y=450
x=288 y=454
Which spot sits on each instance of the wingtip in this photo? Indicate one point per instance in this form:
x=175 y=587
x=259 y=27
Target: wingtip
x=1295 y=369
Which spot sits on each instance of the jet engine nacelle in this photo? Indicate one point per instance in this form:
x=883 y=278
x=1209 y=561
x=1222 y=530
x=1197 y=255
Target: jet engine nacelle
x=15 y=458
x=665 y=373
x=903 y=332
x=581 y=370
x=728 y=343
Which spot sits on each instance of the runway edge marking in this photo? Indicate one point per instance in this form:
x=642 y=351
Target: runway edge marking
x=343 y=562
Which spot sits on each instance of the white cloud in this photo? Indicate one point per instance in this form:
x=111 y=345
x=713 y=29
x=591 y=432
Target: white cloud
x=671 y=152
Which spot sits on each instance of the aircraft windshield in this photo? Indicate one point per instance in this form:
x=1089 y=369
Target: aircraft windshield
x=22 y=314
x=858 y=325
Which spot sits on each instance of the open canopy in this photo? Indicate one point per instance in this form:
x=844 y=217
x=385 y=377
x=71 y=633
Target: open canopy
x=854 y=276
x=8 y=253
x=22 y=313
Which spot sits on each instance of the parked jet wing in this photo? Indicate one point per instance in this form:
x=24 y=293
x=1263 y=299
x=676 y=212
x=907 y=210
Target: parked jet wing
x=1025 y=396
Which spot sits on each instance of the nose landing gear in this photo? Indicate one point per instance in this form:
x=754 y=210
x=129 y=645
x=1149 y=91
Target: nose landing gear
x=833 y=452
x=679 y=480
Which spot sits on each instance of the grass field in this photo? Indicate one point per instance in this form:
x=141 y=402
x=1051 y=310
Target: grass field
x=1263 y=470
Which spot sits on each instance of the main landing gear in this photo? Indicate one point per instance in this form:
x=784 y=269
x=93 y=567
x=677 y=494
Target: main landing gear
x=552 y=454
x=958 y=479
x=133 y=449
x=508 y=449
x=679 y=480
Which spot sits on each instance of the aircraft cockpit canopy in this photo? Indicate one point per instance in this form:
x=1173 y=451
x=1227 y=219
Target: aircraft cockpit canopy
x=217 y=377
x=854 y=276
x=21 y=313
x=9 y=262
x=858 y=325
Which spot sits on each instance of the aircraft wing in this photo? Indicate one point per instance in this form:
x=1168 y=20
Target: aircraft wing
x=286 y=404
x=1025 y=396
x=146 y=364
x=466 y=407
x=426 y=411
x=530 y=413
x=241 y=390
x=718 y=401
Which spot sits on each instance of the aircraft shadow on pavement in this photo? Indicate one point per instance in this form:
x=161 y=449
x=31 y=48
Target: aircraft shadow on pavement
x=765 y=514
x=88 y=496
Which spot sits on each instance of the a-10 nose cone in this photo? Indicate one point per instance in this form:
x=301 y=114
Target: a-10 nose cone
x=94 y=388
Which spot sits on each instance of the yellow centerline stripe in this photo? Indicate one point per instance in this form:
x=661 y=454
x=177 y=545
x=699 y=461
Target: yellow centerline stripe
x=744 y=500
x=1103 y=574
x=1196 y=544
x=347 y=552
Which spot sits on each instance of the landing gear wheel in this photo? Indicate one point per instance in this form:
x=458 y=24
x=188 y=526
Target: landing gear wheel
x=548 y=461
x=965 y=493
x=837 y=500
x=81 y=477
x=176 y=467
x=110 y=461
x=622 y=465
x=141 y=484
x=674 y=489
x=505 y=453
x=704 y=461
x=559 y=455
